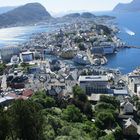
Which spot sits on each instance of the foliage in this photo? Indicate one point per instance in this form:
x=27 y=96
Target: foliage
x=2 y=68
x=105 y=120
x=72 y=114
x=111 y=100
x=103 y=105
x=43 y=117
x=118 y=134
x=27 y=120
x=41 y=98
x=77 y=91
x=4 y=124
x=107 y=137
x=81 y=101
x=82 y=47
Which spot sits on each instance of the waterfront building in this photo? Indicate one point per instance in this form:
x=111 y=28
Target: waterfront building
x=108 y=49
x=27 y=56
x=94 y=84
x=103 y=50
x=8 y=52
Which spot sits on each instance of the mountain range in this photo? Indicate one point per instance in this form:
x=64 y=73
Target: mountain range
x=26 y=14
x=133 y=6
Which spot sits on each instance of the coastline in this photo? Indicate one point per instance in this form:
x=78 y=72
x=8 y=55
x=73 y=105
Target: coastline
x=116 y=26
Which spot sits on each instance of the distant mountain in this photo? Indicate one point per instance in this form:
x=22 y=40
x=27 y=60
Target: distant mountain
x=87 y=15
x=133 y=6
x=6 y=9
x=27 y=14
x=78 y=15
x=73 y=15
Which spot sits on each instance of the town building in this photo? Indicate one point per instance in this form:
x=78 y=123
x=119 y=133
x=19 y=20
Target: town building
x=26 y=56
x=7 y=52
x=130 y=127
x=127 y=107
x=134 y=83
x=94 y=84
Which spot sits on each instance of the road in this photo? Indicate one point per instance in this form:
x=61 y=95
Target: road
x=4 y=83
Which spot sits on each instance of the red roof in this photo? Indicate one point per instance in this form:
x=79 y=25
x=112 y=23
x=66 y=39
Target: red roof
x=27 y=93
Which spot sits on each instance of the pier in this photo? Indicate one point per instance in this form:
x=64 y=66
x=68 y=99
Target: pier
x=136 y=47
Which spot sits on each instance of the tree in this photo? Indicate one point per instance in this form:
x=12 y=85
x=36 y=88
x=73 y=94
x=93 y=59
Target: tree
x=81 y=101
x=118 y=134
x=79 y=93
x=2 y=68
x=72 y=114
x=111 y=100
x=4 y=124
x=54 y=121
x=87 y=109
x=105 y=120
x=107 y=137
x=82 y=47
x=41 y=98
x=102 y=106
x=27 y=120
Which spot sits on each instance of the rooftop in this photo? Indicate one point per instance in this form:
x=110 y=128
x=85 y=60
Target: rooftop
x=93 y=78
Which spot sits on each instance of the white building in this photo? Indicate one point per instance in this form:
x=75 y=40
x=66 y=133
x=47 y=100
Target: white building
x=15 y=59
x=27 y=56
x=94 y=84
x=134 y=83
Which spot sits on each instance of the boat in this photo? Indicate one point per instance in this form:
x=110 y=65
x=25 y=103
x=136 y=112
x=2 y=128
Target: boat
x=49 y=50
x=81 y=59
x=129 y=32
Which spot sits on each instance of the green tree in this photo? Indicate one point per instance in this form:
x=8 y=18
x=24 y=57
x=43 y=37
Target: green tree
x=81 y=101
x=107 y=137
x=103 y=106
x=41 y=98
x=118 y=134
x=111 y=100
x=2 y=68
x=79 y=93
x=4 y=124
x=27 y=120
x=105 y=120
x=72 y=114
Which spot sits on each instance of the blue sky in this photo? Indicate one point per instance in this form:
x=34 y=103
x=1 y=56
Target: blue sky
x=57 y=6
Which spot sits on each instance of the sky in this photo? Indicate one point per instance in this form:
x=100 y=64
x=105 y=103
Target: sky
x=58 y=6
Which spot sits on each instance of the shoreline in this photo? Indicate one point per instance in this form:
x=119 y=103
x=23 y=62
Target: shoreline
x=20 y=45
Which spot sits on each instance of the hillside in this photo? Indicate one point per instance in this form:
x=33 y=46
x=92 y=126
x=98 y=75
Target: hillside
x=134 y=6
x=29 y=13
x=82 y=15
x=6 y=9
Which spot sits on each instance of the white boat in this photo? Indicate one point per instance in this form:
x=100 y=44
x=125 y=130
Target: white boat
x=129 y=32
x=81 y=59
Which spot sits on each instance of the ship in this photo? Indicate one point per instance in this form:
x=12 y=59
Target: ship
x=81 y=59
